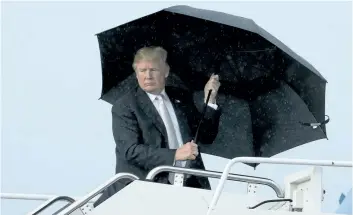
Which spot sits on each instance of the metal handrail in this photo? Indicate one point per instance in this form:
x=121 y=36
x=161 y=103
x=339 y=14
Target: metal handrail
x=269 y=201
x=76 y=205
x=61 y=209
x=269 y=161
x=214 y=174
x=50 y=202
x=34 y=197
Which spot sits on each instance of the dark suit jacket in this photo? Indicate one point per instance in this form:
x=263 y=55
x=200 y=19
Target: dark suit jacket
x=141 y=137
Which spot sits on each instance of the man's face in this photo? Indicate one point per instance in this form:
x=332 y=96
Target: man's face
x=151 y=75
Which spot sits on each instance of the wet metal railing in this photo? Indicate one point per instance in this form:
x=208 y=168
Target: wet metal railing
x=213 y=174
x=78 y=204
x=51 y=201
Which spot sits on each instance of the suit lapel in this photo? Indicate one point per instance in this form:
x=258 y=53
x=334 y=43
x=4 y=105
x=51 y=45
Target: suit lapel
x=145 y=103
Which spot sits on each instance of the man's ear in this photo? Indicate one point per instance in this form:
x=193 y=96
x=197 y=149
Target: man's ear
x=167 y=68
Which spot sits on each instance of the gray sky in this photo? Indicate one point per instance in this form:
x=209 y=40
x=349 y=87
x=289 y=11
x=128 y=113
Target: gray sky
x=56 y=134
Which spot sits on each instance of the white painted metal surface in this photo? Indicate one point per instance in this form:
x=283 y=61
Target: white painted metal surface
x=303 y=189
x=87 y=209
x=269 y=161
x=148 y=198
x=251 y=192
x=178 y=180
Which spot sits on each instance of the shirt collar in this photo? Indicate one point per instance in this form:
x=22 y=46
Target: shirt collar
x=154 y=96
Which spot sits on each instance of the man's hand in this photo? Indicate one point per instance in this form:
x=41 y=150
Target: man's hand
x=188 y=151
x=212 y=84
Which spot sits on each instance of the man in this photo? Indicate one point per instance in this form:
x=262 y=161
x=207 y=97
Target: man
x=154 y=125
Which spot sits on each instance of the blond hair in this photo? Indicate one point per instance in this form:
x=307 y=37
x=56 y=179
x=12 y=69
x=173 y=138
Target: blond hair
x=151 y=53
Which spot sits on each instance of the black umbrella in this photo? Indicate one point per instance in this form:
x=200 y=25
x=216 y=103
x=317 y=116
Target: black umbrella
x=272 y=100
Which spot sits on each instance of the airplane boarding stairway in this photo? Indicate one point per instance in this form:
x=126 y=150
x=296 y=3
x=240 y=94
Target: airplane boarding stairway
x=303 y=193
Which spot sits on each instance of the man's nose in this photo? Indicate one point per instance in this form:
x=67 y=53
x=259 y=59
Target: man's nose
x=148 y=74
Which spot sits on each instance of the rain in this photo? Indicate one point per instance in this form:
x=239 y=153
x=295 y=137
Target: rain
x=53 y=81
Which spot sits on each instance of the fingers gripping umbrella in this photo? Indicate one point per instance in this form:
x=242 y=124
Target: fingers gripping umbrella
x=271 y=99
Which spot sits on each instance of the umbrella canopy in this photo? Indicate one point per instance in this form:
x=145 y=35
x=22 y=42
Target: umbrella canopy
x=272 y=99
